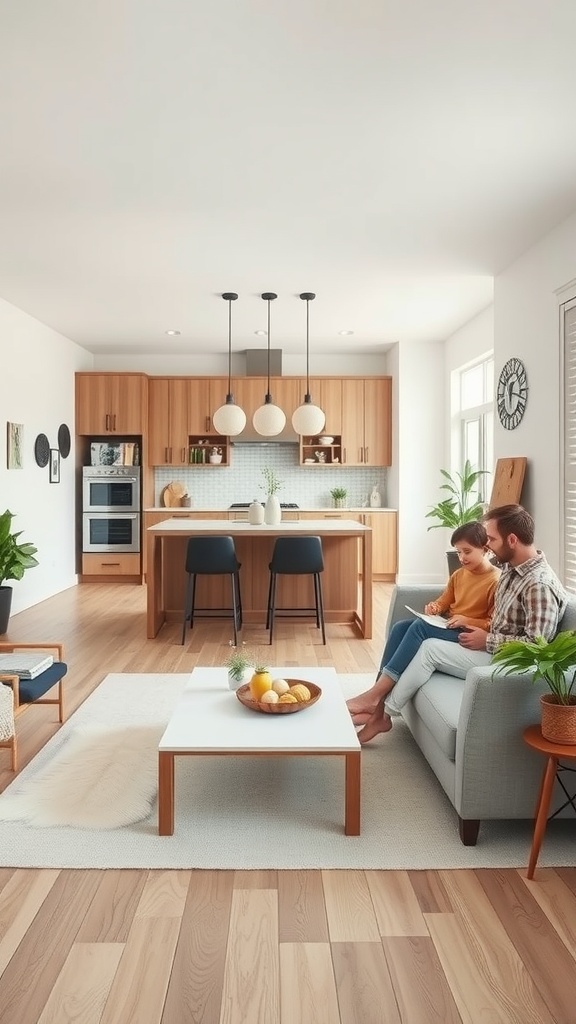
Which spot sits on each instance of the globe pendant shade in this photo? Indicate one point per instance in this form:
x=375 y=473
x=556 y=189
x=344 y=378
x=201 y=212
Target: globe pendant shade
x=308 y=419
x=229 y=419
x=269 y=420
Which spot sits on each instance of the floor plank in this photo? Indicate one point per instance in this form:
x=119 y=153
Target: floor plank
x=422 y=990
x=307 y=985
x=301 y=909
x=349 y=908
x=365 y=991
x=83 y=985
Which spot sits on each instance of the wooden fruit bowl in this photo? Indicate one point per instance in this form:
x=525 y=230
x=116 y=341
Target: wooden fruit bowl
x=243 y=694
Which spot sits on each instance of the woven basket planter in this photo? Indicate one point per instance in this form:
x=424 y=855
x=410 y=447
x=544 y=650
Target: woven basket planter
x=558 y=720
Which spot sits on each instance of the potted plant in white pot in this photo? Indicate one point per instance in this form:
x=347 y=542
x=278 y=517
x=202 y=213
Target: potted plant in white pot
x=339 y=496
x=15 y=558
x=272 y=508
x=240 y=664
x=554 y=663
x=460 y=507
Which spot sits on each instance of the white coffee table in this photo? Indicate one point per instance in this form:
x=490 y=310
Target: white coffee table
x=209 y=719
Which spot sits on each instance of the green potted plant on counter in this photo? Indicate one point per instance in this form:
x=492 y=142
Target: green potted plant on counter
x=552 y=662
x=15 y=558
x=339 y=496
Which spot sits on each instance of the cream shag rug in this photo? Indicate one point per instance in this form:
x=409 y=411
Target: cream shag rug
x=99 y=772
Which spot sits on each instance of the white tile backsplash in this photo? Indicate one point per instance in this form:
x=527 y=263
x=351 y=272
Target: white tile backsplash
x=309 y=487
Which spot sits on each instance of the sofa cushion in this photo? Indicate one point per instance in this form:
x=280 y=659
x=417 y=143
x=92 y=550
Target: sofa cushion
x=30 y=689
x=438 y=704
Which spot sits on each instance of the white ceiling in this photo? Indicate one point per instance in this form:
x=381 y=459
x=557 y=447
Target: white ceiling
x=389 y=155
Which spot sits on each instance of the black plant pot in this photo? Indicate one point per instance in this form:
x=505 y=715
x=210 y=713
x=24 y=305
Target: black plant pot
x=5 y=605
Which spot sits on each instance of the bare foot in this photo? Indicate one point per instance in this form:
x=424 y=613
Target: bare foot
x=367 y=702
x=361 y=718
x=377 y=723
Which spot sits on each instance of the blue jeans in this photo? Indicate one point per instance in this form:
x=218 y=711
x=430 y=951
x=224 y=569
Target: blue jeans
x=404 y=642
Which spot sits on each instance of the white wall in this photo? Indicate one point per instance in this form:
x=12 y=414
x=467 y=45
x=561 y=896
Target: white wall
x=217 y=365
x=526 y=324
x=37 y=390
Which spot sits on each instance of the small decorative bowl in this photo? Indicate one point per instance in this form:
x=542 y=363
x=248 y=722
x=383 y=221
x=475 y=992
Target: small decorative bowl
x=243 y=694
x=326 y=440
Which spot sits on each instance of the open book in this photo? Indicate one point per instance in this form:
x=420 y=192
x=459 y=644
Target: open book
x=433 y=620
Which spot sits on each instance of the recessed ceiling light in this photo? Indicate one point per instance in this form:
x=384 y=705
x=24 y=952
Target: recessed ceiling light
x=261 y=334
x=345 y=332
x=171 y=332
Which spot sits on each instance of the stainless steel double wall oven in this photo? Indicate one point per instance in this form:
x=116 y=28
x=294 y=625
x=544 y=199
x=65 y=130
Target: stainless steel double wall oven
x=111 y=502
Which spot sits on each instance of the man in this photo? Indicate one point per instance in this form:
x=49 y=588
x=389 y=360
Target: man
x=529 y=602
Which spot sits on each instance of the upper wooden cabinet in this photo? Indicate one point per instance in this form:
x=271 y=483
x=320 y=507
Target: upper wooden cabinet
x=168 y=421
x=367 y=421
x=327 y=393
x=111 y=403
x=250 y=392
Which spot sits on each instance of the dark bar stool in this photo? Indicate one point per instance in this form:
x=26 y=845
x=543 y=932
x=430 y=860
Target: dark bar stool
x=212 y=556
x=296 y=556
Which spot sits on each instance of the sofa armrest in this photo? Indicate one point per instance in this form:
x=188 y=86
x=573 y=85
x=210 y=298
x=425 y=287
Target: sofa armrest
x=416 y=595
x=497 y=775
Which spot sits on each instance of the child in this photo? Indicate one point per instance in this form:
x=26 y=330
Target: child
x=468 y=600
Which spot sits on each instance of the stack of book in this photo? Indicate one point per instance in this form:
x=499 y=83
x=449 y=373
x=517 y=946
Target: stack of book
x=26 y=666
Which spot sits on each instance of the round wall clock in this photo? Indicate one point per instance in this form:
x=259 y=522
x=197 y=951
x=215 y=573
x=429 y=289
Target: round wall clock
x=512 y=393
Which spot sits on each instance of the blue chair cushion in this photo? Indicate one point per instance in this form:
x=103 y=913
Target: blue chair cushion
x=30 y=689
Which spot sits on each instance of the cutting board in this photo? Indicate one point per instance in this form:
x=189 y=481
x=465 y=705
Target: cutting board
x=172 y=494
x=508 y=480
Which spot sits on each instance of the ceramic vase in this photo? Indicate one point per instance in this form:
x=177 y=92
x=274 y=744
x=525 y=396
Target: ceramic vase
x=272 y=511
x=234 y=681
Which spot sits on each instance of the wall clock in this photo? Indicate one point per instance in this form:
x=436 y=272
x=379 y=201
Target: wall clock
x=512 y=393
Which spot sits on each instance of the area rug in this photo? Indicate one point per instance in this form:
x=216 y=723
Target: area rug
x=235 y=813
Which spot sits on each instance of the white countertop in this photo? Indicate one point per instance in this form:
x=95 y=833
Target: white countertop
x=302 y=508
x=321 y=526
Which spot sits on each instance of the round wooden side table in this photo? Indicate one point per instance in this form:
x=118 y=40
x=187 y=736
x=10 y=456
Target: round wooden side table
x=555 y=753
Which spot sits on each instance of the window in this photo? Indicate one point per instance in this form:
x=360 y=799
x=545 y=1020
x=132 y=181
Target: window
x=569 y=517
x=475 y=420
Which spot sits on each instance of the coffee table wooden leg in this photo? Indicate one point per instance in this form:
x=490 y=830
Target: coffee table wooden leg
x=352 y=811
x=546 y=788
x=165 y=793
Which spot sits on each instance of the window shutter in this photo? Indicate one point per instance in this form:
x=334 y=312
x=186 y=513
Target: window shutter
x=569 y=531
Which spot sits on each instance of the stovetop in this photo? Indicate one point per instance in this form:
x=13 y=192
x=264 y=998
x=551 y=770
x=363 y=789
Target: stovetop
x=246 y=504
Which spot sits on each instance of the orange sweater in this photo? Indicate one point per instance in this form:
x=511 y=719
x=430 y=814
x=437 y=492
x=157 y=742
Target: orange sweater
x=470 y=594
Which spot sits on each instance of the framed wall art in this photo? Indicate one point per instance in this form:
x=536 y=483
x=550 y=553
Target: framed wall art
x=54 y=466
x=15 y=445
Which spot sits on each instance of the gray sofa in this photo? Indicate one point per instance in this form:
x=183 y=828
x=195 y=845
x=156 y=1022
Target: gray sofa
x=470 y=732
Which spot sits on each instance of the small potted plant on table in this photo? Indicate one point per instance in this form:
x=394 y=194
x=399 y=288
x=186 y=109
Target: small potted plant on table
x=554 y=663
x=240 y=664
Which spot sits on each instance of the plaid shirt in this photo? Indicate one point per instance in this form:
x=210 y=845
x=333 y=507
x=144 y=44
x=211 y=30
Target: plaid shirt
x=529 y=602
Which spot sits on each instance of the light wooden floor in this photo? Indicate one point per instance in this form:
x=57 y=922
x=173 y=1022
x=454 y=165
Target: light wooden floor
x=264 y=947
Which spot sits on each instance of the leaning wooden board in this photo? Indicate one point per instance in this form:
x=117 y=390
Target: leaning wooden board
x=508 y=480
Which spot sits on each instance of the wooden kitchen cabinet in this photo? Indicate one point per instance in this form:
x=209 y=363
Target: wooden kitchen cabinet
x=384 y=526
x=327 y=393
x=168 y=421
x=250 y=392
x=367 y=421
x=111 y=403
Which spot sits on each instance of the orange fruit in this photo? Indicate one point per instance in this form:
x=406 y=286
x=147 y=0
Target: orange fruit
x=261 y=682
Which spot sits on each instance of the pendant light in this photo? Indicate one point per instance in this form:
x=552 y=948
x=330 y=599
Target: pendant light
x=308 y=418
x=229 y=419
x=269 y=419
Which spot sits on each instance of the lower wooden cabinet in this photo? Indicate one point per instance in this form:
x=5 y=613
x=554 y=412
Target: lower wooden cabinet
x=112 y=564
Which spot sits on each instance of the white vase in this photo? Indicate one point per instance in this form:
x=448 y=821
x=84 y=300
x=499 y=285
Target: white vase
x=234 y=682
x=272 y=511
x=256 y=513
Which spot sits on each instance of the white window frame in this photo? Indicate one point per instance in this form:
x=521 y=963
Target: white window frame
x=568 y=439
x=483 y=415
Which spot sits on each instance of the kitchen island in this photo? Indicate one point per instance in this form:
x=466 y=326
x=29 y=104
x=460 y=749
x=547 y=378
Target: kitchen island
x=341 y=538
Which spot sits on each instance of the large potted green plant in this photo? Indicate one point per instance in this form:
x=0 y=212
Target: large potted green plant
x=554 y=663
x=15 y=558
x=460 y=507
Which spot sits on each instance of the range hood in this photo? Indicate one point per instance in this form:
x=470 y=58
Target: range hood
x=257 y=366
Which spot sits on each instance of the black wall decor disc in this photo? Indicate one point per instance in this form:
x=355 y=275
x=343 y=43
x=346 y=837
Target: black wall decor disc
x=64 y=440
x=42 y=450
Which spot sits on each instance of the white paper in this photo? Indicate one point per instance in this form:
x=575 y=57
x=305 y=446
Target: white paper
x=434 y=620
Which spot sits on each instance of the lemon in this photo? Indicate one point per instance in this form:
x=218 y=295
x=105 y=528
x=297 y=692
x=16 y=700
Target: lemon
x=301 y=692
x=261 y=682
x=280 y=686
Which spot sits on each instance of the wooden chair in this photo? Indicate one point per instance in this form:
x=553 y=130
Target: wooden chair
x=32 y=691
